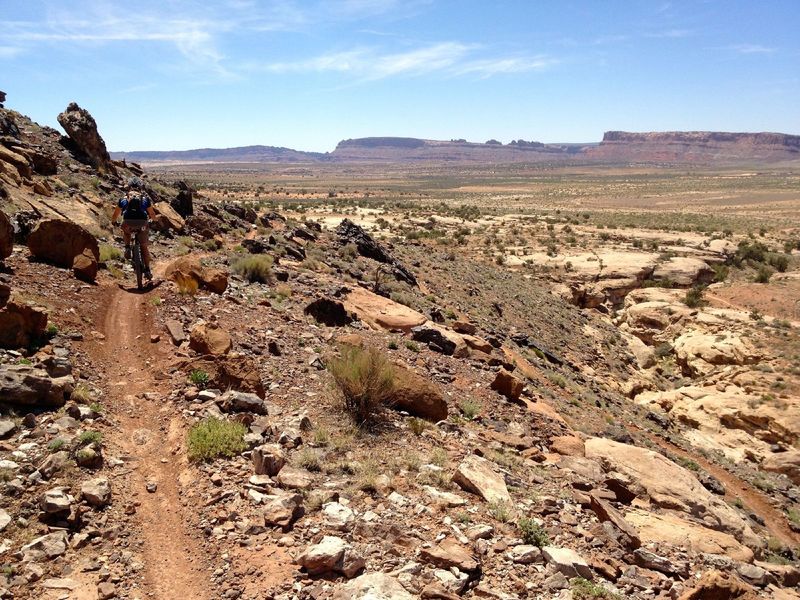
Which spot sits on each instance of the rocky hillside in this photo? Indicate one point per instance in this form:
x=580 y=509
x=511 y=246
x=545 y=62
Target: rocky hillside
x=295 y=411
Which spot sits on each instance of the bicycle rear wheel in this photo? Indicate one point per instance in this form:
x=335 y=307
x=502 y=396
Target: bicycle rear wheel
x=137 y=263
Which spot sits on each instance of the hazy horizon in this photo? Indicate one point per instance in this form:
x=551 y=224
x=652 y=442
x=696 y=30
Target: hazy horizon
x=305 y=75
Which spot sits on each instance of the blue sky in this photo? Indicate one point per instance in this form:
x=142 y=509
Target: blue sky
x=179 y=74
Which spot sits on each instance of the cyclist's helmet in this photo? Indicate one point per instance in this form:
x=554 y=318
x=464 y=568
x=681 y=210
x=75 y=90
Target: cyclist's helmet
x=135 y=183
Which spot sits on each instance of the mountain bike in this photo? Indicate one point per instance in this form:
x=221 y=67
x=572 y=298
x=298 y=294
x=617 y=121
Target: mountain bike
x=137 y=262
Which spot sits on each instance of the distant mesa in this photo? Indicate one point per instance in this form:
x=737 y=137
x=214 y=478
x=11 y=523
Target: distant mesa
x=702 y=147
x=617 y=147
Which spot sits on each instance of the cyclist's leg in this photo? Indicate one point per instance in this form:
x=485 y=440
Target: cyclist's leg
x=144 y=240
x=126 y=236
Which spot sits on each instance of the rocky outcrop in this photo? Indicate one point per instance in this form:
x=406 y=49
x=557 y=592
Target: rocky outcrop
x=478 y=475
x=382 y=313
x=647 y=473
x=787 y=463
x=189 y=268
x=21 y=324
x=81 y=128
x=671 y=529
x=6 y=236
x=29 y=386
x=700 y=353
x=350 y=233
x=167 y=218
x=209 y=338
x=508 y=385
x=61 y=242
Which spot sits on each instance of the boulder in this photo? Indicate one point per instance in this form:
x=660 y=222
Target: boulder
x=668 y=485
x=449 y=553
x=671 y=529
x=372 y=586
x=49 y=546
x=84 y=266
x=382 y=313
x=331 y=555
x=97 y=492
x=21 y=324
x=209 y=338
x=29 y=386
x=167 y=218
x=6 y=236
x=281 y=509
x=59 y=241
x=18 y=162
x=440 y=339
x=230 y=372
x=55 y=502
x=508 y=385
x=268 y=459
x=82 y=130
x=189 y=267
x=417 y=396
x=233 y=401
x=183 y=202
x=477 y=475
x=567 y=562
x=329 y=312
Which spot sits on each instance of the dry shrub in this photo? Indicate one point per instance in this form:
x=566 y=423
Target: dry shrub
x=255 y=268
x=366 y=379
x=187 y=285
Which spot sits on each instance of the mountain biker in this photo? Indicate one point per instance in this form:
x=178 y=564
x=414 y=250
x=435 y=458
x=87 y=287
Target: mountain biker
x=135 y=207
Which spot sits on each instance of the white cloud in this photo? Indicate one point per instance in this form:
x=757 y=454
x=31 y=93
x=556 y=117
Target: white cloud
x=489 y=67
x=449 y=58
x=752 y=49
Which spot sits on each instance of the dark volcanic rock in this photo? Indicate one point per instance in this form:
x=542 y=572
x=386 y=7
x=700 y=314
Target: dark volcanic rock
x=329 y=312
x=350 y=233
x=183 y=203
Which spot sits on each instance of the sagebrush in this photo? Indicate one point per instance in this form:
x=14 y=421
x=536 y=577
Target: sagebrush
x=366 y=380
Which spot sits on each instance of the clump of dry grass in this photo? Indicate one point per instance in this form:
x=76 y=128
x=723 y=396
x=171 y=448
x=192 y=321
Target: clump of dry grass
x=186 y=284
x=366 y=380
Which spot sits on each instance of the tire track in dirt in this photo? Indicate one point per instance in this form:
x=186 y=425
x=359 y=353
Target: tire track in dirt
x=151 y=436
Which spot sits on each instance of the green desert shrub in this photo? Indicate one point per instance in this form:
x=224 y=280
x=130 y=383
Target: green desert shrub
x=255 y=269
x=366 y=380
x=212 y=438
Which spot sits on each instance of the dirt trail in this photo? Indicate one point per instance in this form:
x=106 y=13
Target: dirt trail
x=775 y=521
x=150 y=435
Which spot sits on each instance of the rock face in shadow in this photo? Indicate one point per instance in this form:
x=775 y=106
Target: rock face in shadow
x=6 y=236
x=350 y=233
x=65 y=244
x=82 y=130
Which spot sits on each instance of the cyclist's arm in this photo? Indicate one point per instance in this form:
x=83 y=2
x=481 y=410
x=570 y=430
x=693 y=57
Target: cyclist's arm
x=117 y=213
